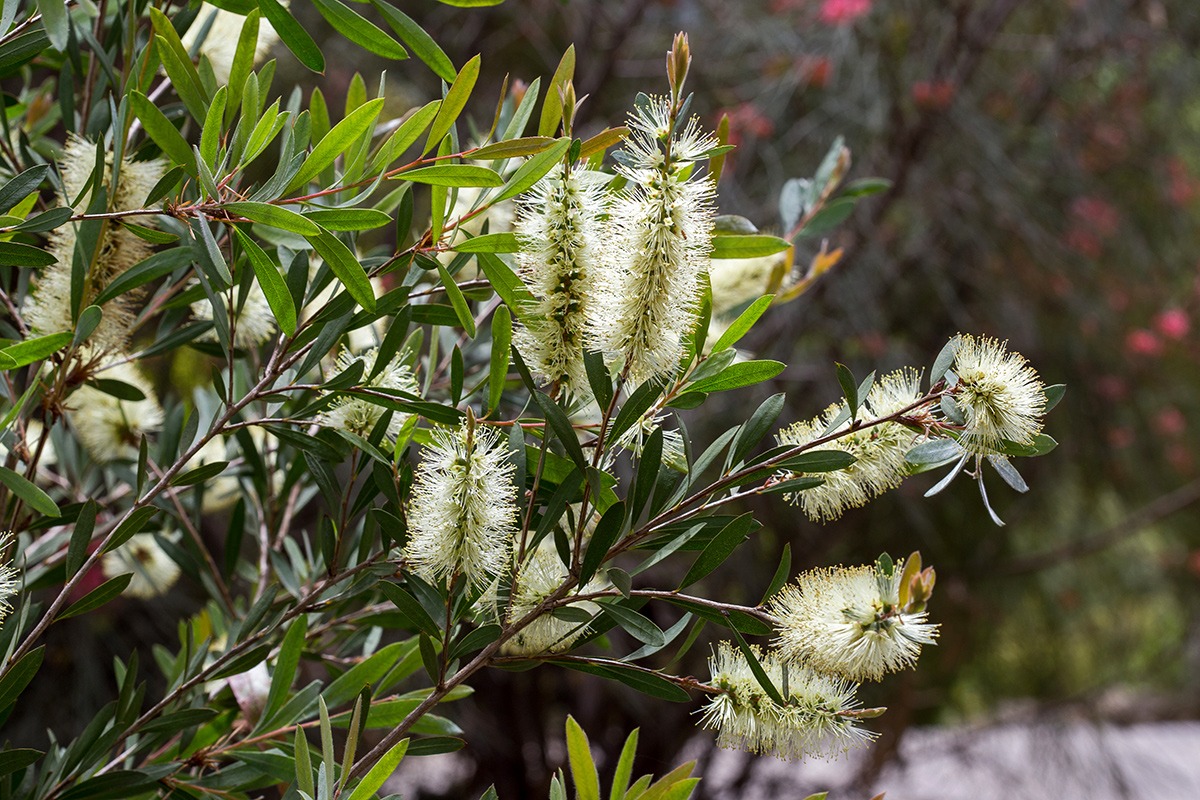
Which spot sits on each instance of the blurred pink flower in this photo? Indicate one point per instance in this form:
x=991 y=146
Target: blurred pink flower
x=1173 y=323
x=1142 y=342
x=844 y=12
x=1170 y=421
x=1120 y=437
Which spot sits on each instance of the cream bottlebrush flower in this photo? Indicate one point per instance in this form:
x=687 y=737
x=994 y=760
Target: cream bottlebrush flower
x=812 y=722
x=220 y=44
x=10 y=581
x=561 y=228
x=634 y=440
x=48 y=308
x=358 y=416
x=998 y=393
x=153 y=570
x=879 y=450
x=254 y=324
x=660 y=240
x=541 y=574
x=108 y=427
x=848 y=622
x=463 y=508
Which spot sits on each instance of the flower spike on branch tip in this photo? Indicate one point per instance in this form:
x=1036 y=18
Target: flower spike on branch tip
x=817 y=717
x=857 y=622
x=561 y=227
x=10 y=582
x=661 y=236
x=998 y=394
x=464 y=507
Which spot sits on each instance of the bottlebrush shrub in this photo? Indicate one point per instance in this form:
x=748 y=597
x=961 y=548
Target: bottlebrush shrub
x=421 y=455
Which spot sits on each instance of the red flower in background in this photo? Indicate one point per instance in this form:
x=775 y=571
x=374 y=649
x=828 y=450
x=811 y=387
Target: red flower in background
x=844 y=12
x=1173 y=323
x=934 y=95
x=1092 y=221
x=1141 y=342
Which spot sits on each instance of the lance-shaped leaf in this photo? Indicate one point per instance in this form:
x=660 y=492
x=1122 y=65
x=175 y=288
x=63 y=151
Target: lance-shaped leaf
x=293 y=35
x=346 y=267
x=337 y=141
x=358 y=30
x=452 y=105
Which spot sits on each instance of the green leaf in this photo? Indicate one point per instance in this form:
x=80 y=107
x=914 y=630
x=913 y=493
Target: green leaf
x=461 y=310
x=489 y=243
x=293 y=35
x=498 y=368
x=638 y=626
x=20 y=186
x=866 y=186
x=98 y=596
x=742 y=325
x=735 y=376
x=379 y=773
x=117 y=785
x=285 y=666
x=180 y=720
x=132 y=524
x=14 y=254
x=271 y=282
x=533 y=170
x=349 y=219
x=200 y=474
x=435 y=745
x=1053 y=395
x=243 y=60
x=149 y=234
x=31 y=350
x=81 y=537
x=552 y=110
x=759 y=673
x=17 y=759
x=452 y=105
x=164 y=134
x=345 y=266
x=781 y=574
x=304 y=773
x=404 y=136
x=936 y=451
x=818 y=461
x=453 y=175
x=47 y=220
x=562 y=429
x=274 y=216
x=407 y=605
x=417 y=39
x=180 y=70
x=358 y=30
x=19 y=675
x=608 y=531
x=849 y=388
x=645 y=682
x=152 y=268
x=33 y=496
x=719 y=549
x=210 y=136
x=512 y=148
x=338 y=140
x=624 y=767
x=943 y=362
x=754 y=246
x=583 y=766
x=828 y=218
x=504 y=281
x=54 y=18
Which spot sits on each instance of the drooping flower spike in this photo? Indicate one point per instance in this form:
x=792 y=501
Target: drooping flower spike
x=817 y=718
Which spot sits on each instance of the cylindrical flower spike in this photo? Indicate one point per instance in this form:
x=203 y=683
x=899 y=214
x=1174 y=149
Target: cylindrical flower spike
x=111 y=428
x=660 y=242
x=153 y=570
x=998 y=393
x=463 y=508
x=878 y=450
x=817 y=718
x=48 y=309
x=10 y=582
x=849 y=622
x=359 y=416
x=562 y=234
x=541 y=574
